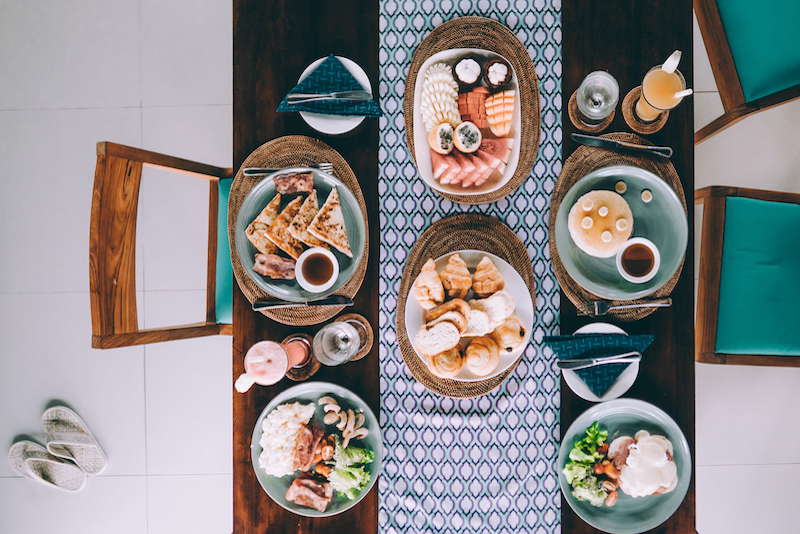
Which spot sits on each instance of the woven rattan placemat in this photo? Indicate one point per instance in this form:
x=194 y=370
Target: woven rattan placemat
x=283 y=152
x=637 y=125
x=575 y=117
x=580 y=163
x=485 y=34
x=466 y=231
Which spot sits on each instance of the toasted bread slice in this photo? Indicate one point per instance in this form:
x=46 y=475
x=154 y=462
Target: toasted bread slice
x=299 y=227
x=278 y=231
x=328 y=225
x=256 y=230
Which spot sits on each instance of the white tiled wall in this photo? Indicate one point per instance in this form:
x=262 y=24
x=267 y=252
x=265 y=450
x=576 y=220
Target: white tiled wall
x=157 y=75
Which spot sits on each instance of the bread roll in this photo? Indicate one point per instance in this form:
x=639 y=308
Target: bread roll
x=428 y=289
x=447 y=364
x=433 y=339
x=509 y=335
x=482 y=355
x=456 y=278
x=487 y=279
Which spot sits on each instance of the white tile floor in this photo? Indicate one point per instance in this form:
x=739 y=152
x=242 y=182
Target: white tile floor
x=157 y=75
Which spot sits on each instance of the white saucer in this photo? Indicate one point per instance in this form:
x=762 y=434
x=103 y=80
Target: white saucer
x=336 y=124
x=623 y=383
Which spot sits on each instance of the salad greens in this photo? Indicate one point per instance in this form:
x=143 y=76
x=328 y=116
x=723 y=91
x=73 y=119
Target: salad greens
x=349 y=476
x=579 y=470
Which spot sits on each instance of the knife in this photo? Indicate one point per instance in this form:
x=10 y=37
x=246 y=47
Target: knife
x=583 y=363
x=296 y=98
x=613 y=144
x=273 y=303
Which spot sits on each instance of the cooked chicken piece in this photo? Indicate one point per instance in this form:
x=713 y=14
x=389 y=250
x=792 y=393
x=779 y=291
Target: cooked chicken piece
x=310 y=493
x=274 y=266
x=289 y=184
x=307 y=442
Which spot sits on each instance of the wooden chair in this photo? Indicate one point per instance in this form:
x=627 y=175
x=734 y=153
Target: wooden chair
x=754 y=55
x=748 y=297
x=112 y=244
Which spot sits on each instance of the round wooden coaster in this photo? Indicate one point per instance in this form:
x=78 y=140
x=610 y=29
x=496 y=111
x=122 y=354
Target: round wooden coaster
x=580 y=163
x=636 y=124
x=465 y=231
x=298 y=374
x=484 y=34
x=284 y=152
x=360 y=323
x=575 y=117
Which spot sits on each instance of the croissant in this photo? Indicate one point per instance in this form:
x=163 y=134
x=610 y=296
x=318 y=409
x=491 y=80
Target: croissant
x=428 y=289
x=456 y=278
x=482 y=355
x=447 y=364
x=487 y=279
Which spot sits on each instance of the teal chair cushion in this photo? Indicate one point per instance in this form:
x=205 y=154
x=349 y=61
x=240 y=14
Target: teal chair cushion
x=760 y=279
x=763 y=36
x=224 y=296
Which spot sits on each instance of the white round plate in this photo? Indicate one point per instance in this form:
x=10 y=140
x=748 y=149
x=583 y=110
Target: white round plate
x=415 y=314
x=420 y=140
x=623 y=383
x=336 y=124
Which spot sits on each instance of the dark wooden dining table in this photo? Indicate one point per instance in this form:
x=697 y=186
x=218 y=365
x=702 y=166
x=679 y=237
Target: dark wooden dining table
x=275 y=41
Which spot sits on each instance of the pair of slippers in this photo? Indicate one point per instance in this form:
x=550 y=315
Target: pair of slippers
x=71 y=452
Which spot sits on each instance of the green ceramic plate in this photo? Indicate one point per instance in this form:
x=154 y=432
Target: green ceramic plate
x=662 y=221
x=257 y=200
x=629 y=515
x=310 y=392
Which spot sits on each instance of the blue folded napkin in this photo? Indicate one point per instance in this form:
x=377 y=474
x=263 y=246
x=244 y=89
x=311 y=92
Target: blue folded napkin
x=331 y=76
x=601 y=377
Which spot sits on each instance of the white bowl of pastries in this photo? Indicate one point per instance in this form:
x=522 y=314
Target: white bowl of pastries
x=469 y=315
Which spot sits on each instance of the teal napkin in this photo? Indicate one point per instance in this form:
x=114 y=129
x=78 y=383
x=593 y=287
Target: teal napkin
x=331 y=76
x=601 y=377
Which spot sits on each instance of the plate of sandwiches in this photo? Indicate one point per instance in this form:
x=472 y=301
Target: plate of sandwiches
x=288 y=212
x=470 y=317
x=467 y=121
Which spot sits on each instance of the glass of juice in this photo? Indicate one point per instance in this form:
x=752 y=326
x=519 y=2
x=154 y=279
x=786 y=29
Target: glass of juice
x=267 y=362
x=658 y=93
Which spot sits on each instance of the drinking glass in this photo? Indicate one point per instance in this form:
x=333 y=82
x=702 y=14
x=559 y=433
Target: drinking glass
x=597 y=97
x=336 y=343
x=658 y=93
x=267 y=362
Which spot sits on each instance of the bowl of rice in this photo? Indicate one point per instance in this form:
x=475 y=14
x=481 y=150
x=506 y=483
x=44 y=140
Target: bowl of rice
x=276 y=434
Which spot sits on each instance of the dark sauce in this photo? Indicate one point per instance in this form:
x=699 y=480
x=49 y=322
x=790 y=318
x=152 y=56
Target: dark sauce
x=317 y=269
x=638 y=260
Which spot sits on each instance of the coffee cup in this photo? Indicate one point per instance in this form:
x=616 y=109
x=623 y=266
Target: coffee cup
x=316 y=270
x=638 y=260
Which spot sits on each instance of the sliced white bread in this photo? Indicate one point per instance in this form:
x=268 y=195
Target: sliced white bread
x=434 y=339
x=479 y=323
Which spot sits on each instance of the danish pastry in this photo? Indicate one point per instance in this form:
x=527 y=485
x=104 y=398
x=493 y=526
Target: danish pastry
x=509 y=335
x=487 y=279
x=428 y=289
x=447 y=364
x=456 y=278
x=482 y=355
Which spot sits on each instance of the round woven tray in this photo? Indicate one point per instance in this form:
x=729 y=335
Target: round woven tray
x=580 y=163
x=485 y=34
x=575 y=117
x=637 y=125
x=466 y=231
x=283 y=152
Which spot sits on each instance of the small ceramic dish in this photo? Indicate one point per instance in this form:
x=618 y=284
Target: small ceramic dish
x=311 y=257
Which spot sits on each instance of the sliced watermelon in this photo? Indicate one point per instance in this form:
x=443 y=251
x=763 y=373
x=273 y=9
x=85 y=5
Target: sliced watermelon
x=439 y=164
x=467 y=167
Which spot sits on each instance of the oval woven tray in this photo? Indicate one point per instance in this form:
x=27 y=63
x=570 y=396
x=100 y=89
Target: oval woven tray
x=580 y=163
x=293 y=151
x=466 y=231
x=486 y=34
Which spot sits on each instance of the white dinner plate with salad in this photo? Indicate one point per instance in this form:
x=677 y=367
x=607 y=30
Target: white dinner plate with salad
x=311 y=392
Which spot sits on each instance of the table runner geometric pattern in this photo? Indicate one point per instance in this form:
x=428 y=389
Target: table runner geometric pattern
x=483 y=465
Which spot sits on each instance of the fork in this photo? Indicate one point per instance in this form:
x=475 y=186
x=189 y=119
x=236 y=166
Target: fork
x=602 y=307
x=259 y=171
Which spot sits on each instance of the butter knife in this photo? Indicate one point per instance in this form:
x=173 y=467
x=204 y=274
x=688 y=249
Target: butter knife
x=273 y=303
x=296 y=98
x=583 y=363
x=613 y=144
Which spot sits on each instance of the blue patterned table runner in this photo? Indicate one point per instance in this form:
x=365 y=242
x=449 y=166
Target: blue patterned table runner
x=484 y=465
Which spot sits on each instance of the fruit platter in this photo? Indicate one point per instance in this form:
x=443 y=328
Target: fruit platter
x=466 y=121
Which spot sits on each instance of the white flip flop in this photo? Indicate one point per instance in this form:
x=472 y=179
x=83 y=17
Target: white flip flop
x=69 y=437
x=31 y=460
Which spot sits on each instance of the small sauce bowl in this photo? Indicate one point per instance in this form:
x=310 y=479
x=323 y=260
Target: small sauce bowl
x=316 y=270
x=638 y=260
